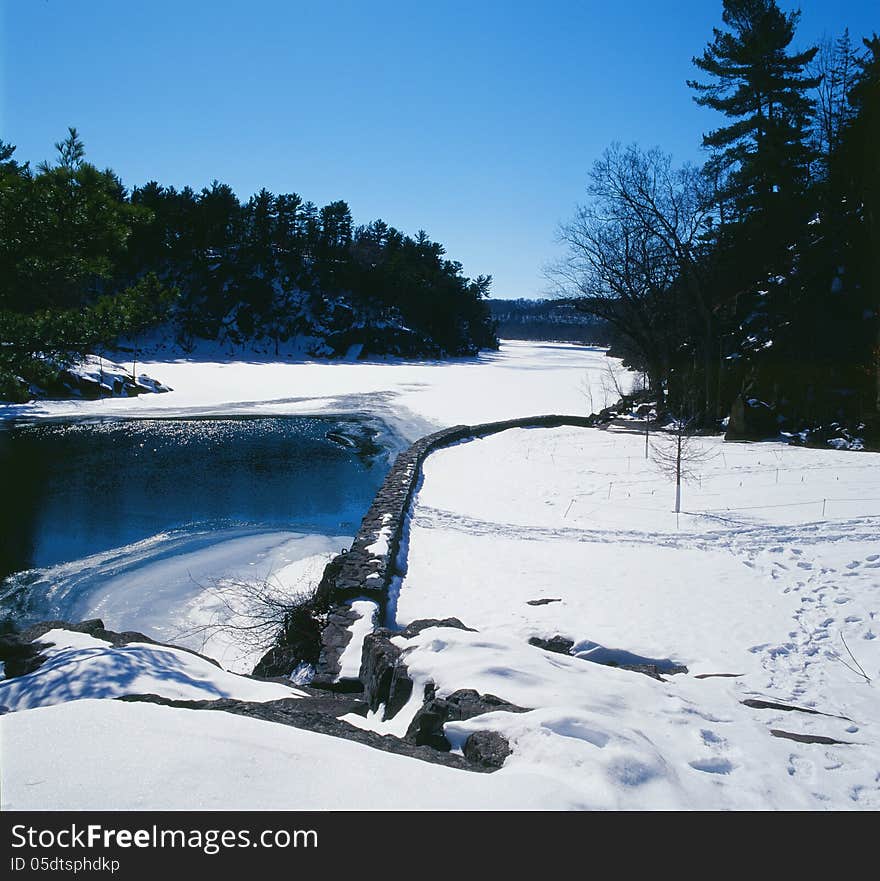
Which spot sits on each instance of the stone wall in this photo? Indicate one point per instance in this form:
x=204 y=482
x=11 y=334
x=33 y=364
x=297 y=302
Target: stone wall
x=369 y=567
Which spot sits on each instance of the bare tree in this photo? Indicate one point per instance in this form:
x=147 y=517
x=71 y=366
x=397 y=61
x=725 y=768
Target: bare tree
x=634 y=247
x=680 y=455
x=836 y=67
x=252 y=614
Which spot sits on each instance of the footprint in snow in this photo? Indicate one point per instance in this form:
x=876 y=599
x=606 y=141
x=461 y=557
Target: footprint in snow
x=713 y=765
x=799 y=766
x=804 y=565
x=854 y=565
x=710 y=738
x=841 y=600
x=872 y=558
x=852 y=619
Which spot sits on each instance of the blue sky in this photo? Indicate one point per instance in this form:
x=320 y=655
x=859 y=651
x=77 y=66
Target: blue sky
x=476 y=121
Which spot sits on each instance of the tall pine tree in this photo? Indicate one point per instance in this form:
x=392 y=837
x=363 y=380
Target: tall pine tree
x=762 y=88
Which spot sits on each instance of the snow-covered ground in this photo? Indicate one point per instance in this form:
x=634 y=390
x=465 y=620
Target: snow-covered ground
x=196 y=587
x=754 y=581
x=81 y=667
x=522 y=379
x=99 y=755
x=770 y=577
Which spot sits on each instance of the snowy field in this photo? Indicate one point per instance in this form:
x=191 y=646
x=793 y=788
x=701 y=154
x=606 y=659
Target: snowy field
x=766 y=587
x=771 y=578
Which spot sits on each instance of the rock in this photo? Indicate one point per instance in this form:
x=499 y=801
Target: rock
x=655 y=671
x=427 y=725
x=335 y=635
x=807 y=738
x=319 y=712
x=383 y=673
x=559 y=644
x=488 y=749
x=417 y=627
x=22 y=653
x=278 y=661
x=647 y=669
x=757 y=704
x=542 y=602
x=751 y=419
x=20 y=657
x=298 y=643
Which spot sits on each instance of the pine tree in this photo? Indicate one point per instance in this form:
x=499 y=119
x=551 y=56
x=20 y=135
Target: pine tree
x=858 y=168
x=762 y=87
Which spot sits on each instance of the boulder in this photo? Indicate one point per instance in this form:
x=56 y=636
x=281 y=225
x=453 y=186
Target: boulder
x=383 y=673
x=559 y=644
x=417 y=627
x=488 y=749
x=751 y=419
x=426 y=727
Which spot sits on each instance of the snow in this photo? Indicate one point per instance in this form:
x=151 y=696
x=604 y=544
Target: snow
x=217 y=620
x=523 y=378
x=80 y=667
x=111 y=377
x=189 y=587
x=766 y=587
x=89 y=755
x=380 y=547
x=350 y=662
x=752 y=582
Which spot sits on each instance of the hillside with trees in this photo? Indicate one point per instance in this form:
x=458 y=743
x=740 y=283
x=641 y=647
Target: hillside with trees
x=750 y=285
x=84 y=263
x=549 y=320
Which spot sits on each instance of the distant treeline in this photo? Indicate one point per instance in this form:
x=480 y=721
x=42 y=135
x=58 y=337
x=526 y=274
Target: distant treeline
x=755 y=277
x=84 y=262
x=548 y=320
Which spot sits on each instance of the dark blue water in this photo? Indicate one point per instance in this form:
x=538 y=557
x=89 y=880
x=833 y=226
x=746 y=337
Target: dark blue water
x=70 y=490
